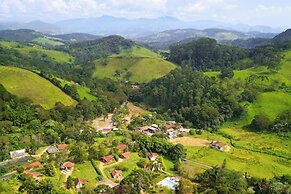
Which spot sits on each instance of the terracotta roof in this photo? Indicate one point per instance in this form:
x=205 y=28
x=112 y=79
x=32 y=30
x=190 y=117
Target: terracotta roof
x=125 y=154
x=121 y=146
x=62 y=146
x=218 y=143
x=80 y=181
x=152 y=155
x=116 y=173
x=33 y=165
x=107 y=158
x=68 y=165
x=34 y=174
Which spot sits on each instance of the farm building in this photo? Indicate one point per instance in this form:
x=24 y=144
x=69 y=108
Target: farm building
x=218 y=145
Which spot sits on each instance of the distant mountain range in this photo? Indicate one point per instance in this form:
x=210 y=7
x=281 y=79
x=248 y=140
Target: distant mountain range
x=163 y=40
x=130 y=28
x=26 y=35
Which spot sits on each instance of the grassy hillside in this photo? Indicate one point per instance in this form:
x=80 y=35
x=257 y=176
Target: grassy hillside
x=48 y=41
x=140 y=63
x=24 y=83
x=269 y=103
x=58 y=56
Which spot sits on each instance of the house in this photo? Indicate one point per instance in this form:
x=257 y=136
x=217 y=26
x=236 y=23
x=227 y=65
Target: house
x=121 y=147
x=184 y=130
x=67 y=166
x=18 y=153
x=218 y=145
x=79 y=183
x=125 y=155
x=62 y=147
x=52 y=149
x=35 y=175
x=117 y=174
x=106 y=130
x=33 y=165
x=107 y=159
x=153 y=156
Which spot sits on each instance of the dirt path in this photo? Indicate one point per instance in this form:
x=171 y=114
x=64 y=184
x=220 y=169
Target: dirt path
x=102 y=166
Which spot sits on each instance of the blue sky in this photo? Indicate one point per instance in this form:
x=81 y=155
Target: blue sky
x=252 y=12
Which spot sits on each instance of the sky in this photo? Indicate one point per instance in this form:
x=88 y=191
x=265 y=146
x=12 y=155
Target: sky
x=252 y=12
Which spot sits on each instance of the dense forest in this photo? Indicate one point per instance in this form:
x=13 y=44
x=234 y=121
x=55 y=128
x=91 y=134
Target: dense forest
x=191 y=97
x=206 y=54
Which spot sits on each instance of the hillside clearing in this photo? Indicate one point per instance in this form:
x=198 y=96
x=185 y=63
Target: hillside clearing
x=138 y=65
x=26 y=84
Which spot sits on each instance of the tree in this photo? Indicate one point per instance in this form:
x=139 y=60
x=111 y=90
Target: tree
x=103 y=189
x=177 y=152
x=226 y=73
x=185 y=186
x=49 y=169
x=70 y=182
x=222 y=180
x=138 y=180
x=260 y=123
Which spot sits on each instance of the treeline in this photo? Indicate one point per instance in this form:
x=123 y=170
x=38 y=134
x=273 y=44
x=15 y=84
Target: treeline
x=188 y=96
x=281 y=124
x=207 y=55
x=161 y=146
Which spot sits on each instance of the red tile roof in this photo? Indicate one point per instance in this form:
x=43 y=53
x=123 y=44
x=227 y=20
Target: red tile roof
x=121 y=146
x=152 y=155
x=116 y=173
x=62 y=146
x=68 y=165
x=107 y=159
x=34 y=174
x=80 y=181
x=125 y=154
x=35 y=164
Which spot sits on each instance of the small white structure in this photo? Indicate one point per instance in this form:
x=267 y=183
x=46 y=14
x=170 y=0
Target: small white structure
x=17 y=153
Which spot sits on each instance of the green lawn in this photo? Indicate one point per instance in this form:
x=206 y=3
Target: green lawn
x=129 y=163
x=85 y=171
x=58 y=180
x=40 y=150
x=169 y=166
x=143 y=64
x=26 y=84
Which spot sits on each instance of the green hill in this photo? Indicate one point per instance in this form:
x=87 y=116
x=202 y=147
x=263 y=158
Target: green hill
x=57 y=56
x=24 y=83
x=270 y=103
x=137 y=64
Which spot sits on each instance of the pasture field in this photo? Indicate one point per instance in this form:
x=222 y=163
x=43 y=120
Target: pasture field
x=26 y=84
x=260 y=155
x=48 y=41
x=141 y=64
x=58 y=56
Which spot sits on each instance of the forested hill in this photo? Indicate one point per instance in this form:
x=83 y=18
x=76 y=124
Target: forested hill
x=207 y=55
x=91 y=50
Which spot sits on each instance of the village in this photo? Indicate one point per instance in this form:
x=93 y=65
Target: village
x=118 y=157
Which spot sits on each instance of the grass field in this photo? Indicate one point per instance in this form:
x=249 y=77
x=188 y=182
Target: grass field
x=143 y=65
x=48 y=41
x=58 y=56
x=83 y=92
x=129 y=163
x=85 y=171
x=25 y=84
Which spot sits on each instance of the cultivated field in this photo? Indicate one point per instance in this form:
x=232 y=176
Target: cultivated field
x=191 y=142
